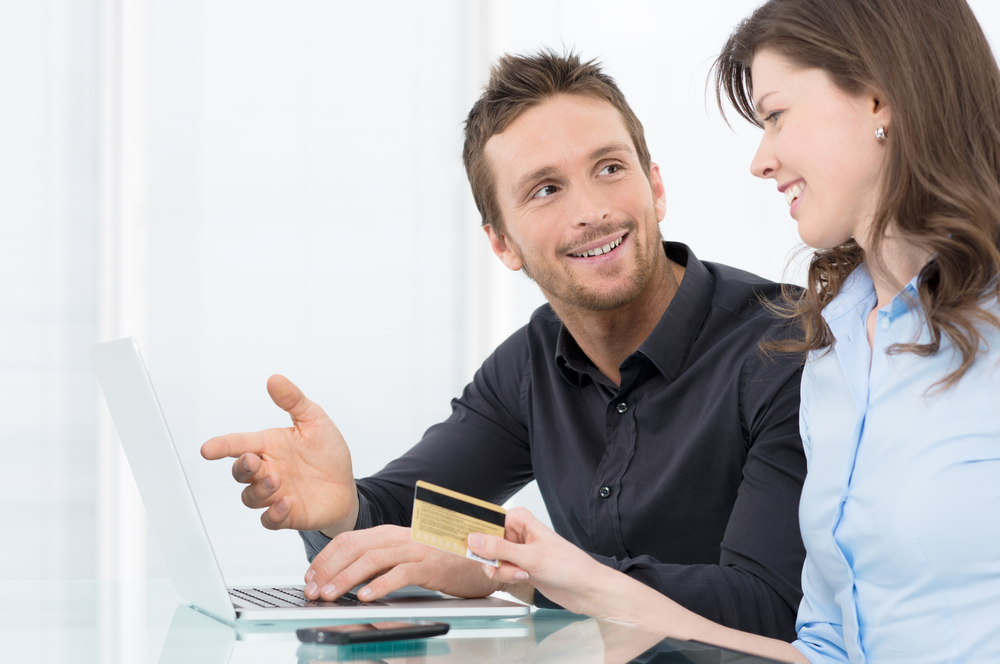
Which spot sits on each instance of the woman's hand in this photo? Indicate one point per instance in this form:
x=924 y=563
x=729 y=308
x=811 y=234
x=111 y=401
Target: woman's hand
x=561 y=571
x=577 y=582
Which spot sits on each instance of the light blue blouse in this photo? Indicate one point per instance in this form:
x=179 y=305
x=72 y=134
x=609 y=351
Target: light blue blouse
x=900 y=511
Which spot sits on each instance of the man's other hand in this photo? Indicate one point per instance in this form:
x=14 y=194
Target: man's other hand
x=302 y=474
x=391 y=560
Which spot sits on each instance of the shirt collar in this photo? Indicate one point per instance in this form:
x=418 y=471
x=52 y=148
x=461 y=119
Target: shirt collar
x=858 y=295
x=668 y=345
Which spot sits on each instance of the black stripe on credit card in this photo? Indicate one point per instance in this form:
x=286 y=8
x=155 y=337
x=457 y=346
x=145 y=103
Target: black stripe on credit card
x=460 y=506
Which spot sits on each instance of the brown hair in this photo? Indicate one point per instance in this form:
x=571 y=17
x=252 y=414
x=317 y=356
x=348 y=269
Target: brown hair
x=930 y=60
x=519 y=82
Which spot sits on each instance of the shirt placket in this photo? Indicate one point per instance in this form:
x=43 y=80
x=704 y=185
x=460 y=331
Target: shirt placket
x=606 y=490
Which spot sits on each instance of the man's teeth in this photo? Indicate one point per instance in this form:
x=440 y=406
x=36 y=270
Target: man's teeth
x=794 y=192
x=600 y=250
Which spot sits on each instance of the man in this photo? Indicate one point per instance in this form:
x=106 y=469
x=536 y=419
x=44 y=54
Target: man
x=664 y=441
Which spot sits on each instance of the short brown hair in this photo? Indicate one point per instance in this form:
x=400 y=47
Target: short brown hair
x=940 y=187
x=519 y=82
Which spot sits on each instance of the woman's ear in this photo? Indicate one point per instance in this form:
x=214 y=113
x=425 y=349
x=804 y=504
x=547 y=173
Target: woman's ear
x=881 y=113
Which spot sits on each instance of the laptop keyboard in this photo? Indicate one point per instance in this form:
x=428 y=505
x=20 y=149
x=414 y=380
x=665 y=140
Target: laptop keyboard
x=289 y=596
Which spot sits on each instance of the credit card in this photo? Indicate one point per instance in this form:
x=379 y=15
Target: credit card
x=444 y=519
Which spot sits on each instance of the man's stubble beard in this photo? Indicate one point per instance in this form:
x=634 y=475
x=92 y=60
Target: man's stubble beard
x=575 y=295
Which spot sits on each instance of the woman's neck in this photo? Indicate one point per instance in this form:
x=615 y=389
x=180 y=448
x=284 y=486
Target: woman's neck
x=897 y=263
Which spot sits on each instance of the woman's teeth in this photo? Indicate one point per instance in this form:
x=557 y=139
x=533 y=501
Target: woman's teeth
x=794 y=192
x=600 y=250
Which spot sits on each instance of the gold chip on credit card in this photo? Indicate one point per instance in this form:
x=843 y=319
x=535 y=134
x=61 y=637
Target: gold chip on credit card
x=444 y=519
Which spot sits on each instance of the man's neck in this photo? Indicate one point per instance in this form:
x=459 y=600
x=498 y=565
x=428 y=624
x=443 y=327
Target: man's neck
x=608 y=337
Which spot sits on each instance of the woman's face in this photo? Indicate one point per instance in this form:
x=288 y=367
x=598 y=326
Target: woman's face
x=820 y=148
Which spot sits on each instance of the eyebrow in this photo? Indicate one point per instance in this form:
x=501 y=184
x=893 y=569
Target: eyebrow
x=760 y=101
x=547 y=171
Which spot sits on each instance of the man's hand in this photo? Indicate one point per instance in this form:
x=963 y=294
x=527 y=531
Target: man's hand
x=302 y=474
x=388 y=555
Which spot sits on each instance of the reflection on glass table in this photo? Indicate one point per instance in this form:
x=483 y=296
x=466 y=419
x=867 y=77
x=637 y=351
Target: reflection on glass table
x=544 y=637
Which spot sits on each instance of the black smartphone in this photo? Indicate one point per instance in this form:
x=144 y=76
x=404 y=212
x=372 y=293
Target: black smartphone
x=393 y=630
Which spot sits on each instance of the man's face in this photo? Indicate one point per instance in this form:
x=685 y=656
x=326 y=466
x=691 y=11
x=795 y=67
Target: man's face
x=579 y=214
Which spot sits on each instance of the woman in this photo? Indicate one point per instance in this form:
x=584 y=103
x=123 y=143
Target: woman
x=881 y=124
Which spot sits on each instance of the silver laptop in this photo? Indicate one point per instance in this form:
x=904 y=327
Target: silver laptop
x=181 y=534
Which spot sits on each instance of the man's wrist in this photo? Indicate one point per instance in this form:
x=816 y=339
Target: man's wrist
x=347 y=524
x=521 y=590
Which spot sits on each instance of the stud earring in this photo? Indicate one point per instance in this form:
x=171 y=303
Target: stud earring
x=880 y=133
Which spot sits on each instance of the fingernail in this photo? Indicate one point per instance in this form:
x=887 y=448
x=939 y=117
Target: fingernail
x=310 y=573
x=268 y=484
x=328 y=590
x=245 y=466
x=365 y=593
x=475 y=539
x=311 y=589
x=520 y=576
x=281 y=506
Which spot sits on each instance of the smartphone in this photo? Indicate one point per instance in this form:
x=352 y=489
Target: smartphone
x=395 y=630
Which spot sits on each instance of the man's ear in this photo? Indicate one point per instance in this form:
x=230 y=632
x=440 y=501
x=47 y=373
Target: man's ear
x=503 y=248
x=659 y=193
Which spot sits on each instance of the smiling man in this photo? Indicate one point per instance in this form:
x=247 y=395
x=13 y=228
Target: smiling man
x=663 y=440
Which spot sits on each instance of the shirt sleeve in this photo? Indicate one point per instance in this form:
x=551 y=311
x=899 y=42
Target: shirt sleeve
x=756 y=585
x=820 y=623
x=481 y=450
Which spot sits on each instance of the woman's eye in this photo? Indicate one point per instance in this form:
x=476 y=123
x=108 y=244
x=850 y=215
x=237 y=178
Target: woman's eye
x=772 y=117
x=545 y=191
x=610 y=169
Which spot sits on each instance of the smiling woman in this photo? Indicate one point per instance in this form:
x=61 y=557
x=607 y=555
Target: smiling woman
x=899 y=194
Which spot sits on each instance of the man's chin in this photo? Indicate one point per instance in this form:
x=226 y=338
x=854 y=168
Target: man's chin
x=597 y=300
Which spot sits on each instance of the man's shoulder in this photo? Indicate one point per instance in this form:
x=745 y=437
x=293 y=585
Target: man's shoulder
x=541 y=331
x=744 y=293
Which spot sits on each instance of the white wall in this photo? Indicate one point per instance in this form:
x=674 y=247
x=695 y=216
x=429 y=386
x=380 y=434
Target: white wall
x=307 y=214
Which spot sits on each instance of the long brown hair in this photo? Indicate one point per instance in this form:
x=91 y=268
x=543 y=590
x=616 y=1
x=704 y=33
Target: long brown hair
x=931 y=62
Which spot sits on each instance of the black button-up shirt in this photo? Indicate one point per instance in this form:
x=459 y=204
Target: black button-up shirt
x=686 y=477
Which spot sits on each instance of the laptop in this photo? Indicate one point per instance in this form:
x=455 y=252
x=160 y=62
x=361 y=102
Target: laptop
x=181 y=534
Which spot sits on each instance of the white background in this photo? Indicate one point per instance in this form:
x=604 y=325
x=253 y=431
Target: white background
x=307 y=213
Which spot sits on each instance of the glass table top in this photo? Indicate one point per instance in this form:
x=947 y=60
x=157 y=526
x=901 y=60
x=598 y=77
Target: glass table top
x=87 y=622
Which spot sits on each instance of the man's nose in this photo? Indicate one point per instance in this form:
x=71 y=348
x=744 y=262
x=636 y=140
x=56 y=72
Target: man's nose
x=592 y=206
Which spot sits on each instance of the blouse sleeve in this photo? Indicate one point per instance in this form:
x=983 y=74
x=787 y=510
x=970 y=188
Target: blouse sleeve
x=819 y=623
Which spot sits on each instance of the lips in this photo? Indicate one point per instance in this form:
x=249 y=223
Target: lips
x=794 y=191
x=598 y=251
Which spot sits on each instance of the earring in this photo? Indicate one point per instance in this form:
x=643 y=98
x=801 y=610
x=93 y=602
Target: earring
x=880 y=133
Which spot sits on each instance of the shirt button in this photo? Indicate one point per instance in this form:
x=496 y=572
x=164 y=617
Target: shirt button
x=622 y=407
x=886 y=323
x=604 y=492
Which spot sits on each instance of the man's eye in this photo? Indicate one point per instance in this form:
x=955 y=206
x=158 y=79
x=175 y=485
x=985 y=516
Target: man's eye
x=610 y=169
x=547 y=190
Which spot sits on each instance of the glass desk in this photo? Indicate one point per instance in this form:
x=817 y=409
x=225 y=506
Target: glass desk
x=84 y=622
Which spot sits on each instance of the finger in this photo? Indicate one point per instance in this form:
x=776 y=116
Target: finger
x=506 y=573
x=289 y=398
x=344 y=547
x=261 y=491
x=246 y=467
x=356 y=556
x=398 y=577
x=276 y=516
x=232 y=445
x=372 y=563
x=497 y=548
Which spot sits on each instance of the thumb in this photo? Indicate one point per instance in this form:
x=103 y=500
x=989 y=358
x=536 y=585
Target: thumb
x=289 y=398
